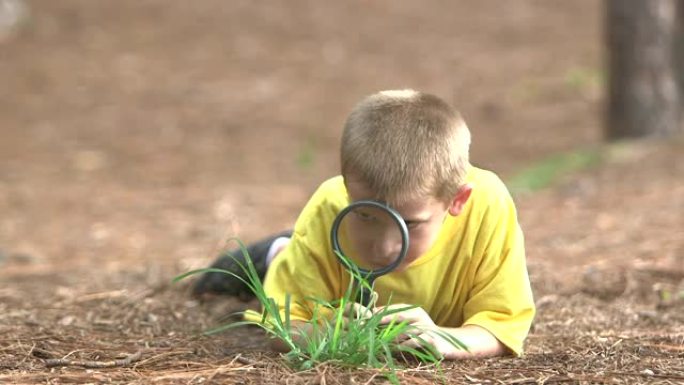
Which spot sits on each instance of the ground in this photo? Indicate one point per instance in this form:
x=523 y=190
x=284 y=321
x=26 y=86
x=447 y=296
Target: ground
x=137 y=136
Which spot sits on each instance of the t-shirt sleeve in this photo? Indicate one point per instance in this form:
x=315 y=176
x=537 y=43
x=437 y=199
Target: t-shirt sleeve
x=500 y=300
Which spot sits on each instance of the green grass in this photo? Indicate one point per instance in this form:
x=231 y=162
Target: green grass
x=585 y=78
x=340 y=338
x=546 y=172
x=306 y=155
x=550 y=170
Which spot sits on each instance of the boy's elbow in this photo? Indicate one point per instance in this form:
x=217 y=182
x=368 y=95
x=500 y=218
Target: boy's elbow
x=279 y=345
x=300 y=327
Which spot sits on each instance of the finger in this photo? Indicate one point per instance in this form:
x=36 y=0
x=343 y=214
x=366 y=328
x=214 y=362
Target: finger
x=403 y=337
x=407 y=316
x=394 y=318
x=373 y=300
x=348 y=309
x=413 y=342
x=357 y=311
x=424 y=341
x=361 y=312
x=389 y=307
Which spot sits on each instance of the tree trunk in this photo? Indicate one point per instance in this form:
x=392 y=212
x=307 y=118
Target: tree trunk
x=678 y=50
x=643 y=94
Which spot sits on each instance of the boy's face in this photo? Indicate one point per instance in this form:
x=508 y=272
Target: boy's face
x=378 y=248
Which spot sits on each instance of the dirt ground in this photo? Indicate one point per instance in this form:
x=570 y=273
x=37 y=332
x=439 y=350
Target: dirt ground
x=136 y=136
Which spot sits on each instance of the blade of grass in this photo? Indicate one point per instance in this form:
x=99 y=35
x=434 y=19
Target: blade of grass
x=288 y=298
x=338 y=325
x=452 y=340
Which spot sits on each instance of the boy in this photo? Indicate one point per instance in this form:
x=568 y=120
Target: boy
x=465 y=265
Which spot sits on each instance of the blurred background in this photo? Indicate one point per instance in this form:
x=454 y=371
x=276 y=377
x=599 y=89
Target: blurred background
x=137 y=136
x=152 y=129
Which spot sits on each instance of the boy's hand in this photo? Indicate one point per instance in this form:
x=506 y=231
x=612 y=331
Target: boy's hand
x=425 y=330
x=479 y=341
x=359 y=311
x=417 y=316
x=435 y=338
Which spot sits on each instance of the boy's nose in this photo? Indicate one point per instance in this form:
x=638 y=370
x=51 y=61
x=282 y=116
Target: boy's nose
x=388 y=249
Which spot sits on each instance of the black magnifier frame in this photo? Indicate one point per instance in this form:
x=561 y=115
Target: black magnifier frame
x=370 y=275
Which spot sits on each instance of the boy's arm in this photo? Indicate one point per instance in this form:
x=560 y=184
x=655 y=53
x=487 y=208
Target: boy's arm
x=479 y=341
x=500 y=299
x=303 y=327
x=483 y=343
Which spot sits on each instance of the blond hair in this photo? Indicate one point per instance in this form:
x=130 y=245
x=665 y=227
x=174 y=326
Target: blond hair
x=404 y=145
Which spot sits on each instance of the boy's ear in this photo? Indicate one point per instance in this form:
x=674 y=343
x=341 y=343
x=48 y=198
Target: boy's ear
x=460 y=199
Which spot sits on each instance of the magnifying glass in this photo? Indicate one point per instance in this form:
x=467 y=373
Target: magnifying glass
x=371 y=238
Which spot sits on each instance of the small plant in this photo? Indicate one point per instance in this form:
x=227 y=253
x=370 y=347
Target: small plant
x=546 y=172
x=306 y=154
x=336 y=335
x=586 y=80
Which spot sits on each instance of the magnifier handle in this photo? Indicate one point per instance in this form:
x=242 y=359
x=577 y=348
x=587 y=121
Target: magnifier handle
x=367 y=297
x=364 y=297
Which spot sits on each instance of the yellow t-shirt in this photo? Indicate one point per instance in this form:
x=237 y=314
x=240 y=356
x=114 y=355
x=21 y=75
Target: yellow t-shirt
x=474 y=273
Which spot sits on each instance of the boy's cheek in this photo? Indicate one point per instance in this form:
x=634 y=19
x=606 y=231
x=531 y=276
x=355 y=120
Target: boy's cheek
x=413 y=254
x=418 y=245
x=427 y=237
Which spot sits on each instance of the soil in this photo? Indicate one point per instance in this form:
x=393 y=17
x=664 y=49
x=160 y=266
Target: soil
x=137 y=136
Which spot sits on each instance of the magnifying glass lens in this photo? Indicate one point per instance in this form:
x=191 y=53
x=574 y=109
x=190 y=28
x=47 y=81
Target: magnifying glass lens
x=370 y=237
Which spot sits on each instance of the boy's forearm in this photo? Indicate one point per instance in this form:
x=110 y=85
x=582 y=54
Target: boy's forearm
x=480 y=343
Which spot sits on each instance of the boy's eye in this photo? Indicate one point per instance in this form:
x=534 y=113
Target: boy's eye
x=411 y=225
x=366 y=217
